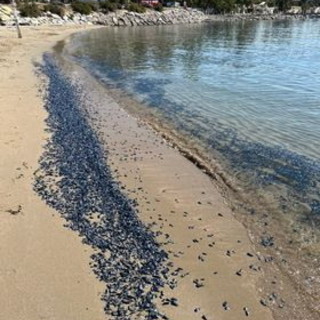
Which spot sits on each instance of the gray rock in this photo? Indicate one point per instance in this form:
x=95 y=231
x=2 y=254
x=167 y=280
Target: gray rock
x=115 y=21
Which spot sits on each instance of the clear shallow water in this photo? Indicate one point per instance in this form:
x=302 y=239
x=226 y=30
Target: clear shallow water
x=247 y=91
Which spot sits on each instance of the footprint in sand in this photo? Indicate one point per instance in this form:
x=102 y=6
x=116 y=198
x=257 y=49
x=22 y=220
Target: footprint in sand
x=15 y=212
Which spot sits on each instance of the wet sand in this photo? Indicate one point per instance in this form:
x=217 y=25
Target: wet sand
x=183 y=205
x=45 y=272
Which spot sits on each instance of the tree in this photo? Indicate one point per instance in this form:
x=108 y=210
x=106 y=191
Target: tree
x=283 y=5
x=16 y=18
x=219 y=6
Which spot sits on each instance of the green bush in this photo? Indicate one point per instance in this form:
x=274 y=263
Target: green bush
x=29 y=10
x=119 y=2
x=107 y=6
x=81 y=7
x=158 y=7
x=55 y=8
x=283 y=5
x=135 y=7
x=94 y=6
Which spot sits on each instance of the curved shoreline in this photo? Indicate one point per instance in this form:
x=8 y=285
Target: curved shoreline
x=142 y=161
x=244 y=211
x=51 y=263
x=179 y=197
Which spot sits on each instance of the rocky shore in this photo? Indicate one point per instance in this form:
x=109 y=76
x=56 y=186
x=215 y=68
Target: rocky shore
x=119 y=18
x=124 y=18
x=262 y=16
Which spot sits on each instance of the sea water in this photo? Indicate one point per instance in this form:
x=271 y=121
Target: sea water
x=245 y=94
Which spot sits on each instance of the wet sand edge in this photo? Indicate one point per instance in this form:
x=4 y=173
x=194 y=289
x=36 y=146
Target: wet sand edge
x=144 y=164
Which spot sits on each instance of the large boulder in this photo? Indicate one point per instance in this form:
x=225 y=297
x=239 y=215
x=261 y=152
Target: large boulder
x=316 y=10
x=115 y=21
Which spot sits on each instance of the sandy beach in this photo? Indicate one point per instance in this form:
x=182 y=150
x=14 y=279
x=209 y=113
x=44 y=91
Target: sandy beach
x=45 y=268
x=44 y=272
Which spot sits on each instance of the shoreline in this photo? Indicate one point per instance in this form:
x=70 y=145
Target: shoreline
x=161 y=196
x=179 y=202
x=278 y=263
x=185 y=291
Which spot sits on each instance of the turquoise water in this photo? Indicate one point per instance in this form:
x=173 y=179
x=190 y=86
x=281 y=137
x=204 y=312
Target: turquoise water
x=247 y=92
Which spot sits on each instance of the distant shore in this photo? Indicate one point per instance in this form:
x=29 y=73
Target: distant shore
x=261 y=16
x=120 y=18
x=124 y=18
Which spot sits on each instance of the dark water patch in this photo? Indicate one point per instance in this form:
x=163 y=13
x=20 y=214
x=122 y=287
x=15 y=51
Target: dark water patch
x=257 y=165
x=259 y=78
x=73 y=178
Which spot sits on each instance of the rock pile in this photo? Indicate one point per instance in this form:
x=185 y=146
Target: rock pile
x=119 y=18
x=263 y=16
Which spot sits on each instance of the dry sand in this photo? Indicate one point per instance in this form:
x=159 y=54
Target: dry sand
x=44 y=270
